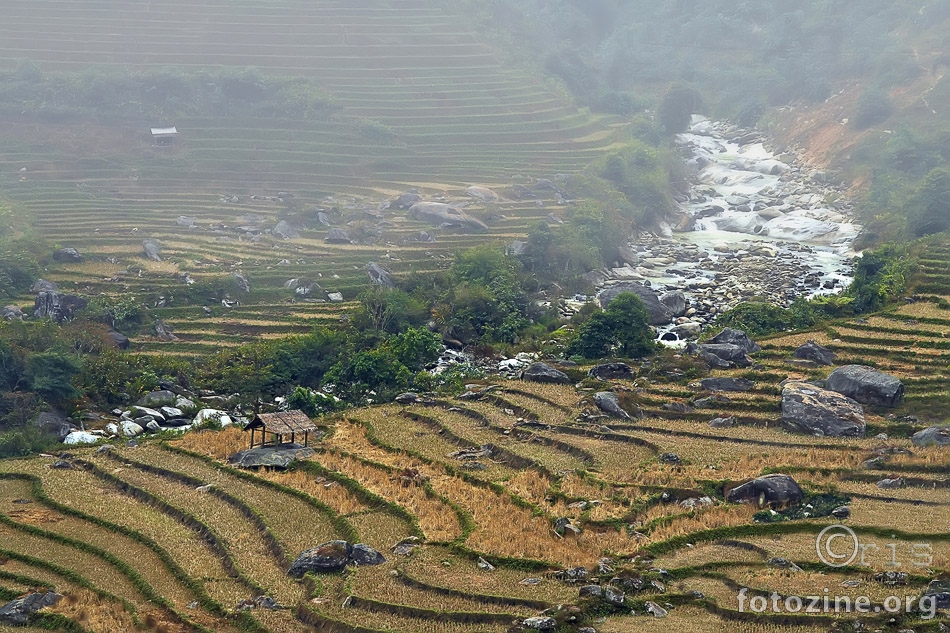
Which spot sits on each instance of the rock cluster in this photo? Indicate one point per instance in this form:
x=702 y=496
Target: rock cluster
x=333 y=556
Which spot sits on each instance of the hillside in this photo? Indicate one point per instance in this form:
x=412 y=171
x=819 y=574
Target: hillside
x=395 y=96
x=168 y=535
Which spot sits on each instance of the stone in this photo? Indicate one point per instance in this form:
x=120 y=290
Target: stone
x=591 y=591
x=614 y=596
x=183 y=403
x=120 y=340
x=440 y=214
x=866 y=385
x=484 y=564
x=153 y=426
x=186 y=222
x=242 y=282
x=215 y=416
x=12 y=313
x=405 y=200
x=933 y=436
x=111 y=429
x=939 y=592
x=164 y=331
x=482 y=194
x=365 y=555
x=776 y=491
x=540 y=623
x=724 y=355
x=608 y=402
x=675 y=301
x=62 y=464
x=152 y=249
x=659 y=313
x=281 y=456
x=408 y=398
x=81 y=437
x=157 y=399
x=42 y=285
x=730 y=336
x=131 y=429
x=329 y=557
x=809 y=409
x=726 y=384
x=54 y=424
x=67 y=255
x=670 y=458
x=170 y=412
x=655 y=610
x=335 y=297
x=815 y=353
x=337 y=236
x=379 y=275
x=723 y=423
x=888 y=484
x=146 y=411
x=841 y=512
x=57 y=307
x=285 y=231
x=17 y=612
x=688 y=330
x=542 y=372
x=611 y=371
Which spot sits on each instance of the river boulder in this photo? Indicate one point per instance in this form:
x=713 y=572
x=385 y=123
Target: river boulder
x=730 y=336
x=866 y=385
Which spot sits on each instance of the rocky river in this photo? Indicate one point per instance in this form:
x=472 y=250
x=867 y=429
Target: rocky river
x=756 y=224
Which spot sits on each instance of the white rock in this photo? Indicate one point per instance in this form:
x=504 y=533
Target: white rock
x=182 y=402
x=206 y=415
x=81 y=437
x=131 y=429
x=171 y=412
x=112 y=428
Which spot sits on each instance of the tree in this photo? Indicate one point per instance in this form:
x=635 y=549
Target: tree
x=679 y=104
x=624 y=328
x=930 y=207
x=415 y=348
x=50 y=375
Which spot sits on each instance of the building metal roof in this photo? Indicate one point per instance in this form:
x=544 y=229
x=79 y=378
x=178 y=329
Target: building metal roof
x=282 y=422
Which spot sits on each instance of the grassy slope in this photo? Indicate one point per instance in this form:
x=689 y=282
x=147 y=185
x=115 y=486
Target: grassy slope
x=423 y=103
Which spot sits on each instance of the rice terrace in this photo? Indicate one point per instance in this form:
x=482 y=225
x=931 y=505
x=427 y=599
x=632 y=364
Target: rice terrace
x=384 y=316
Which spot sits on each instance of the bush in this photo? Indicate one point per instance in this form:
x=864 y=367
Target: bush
x=873 y=107
x=622 y=328
x=25 y=441
x=313 y=403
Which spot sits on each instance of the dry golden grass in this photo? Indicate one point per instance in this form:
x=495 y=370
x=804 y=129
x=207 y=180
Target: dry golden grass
x=333 y=494
x=703 y=553
x=217 y=444
x=714 y=517
x=697 y=620
x=100 y=614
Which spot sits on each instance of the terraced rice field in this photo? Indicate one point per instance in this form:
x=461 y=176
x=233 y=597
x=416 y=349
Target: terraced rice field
x=421 y=101
x=168 y=534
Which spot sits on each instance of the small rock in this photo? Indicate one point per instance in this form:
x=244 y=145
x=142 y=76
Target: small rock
x=484 y=564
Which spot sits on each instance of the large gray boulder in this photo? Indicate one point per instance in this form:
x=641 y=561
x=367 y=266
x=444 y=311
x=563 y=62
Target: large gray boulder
x=406 y=200
x=333 y=556
x=57 y=307
x=816 y=411
x=42 y=285
x=815 y=353
x=54 y=424
x=611 y=371
x=379 y=275
x=607 y=402
x=776 y=491
x=158 y=399
x=730 y=336
x=337 y=236
x=285 y=231
x=11 y=313
x=542 y=372
x=152 y=249
x=119 y=339
x=329 y=557
x=280 y=456
x=17 y=612
x=441 y=214
x=659 y=313
x=675 y=301
x=724 y=355
x=67 y=255
x=866 y=385
x=933 y=436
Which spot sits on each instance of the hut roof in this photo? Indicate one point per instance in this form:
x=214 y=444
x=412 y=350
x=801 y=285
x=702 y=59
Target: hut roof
x=164 y=131
x=282 y=422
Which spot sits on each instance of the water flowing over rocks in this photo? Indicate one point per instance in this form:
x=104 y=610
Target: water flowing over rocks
x=754 y=225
